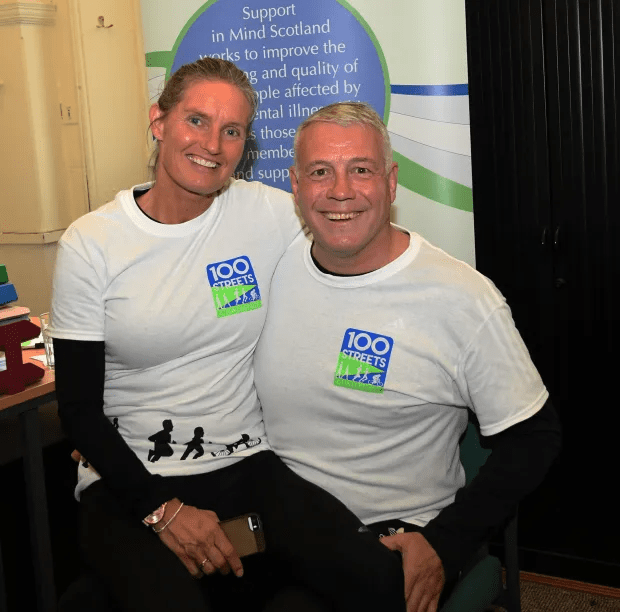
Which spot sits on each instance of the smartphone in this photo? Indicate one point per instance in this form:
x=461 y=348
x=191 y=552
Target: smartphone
x=245 y=533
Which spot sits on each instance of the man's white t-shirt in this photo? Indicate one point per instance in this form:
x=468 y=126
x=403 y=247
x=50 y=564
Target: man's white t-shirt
x=365 y=380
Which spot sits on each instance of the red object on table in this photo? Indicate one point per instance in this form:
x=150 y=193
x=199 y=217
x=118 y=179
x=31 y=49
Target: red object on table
x=18 y=374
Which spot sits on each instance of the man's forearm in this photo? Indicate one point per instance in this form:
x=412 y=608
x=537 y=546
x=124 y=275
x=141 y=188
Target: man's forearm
x=520 y=458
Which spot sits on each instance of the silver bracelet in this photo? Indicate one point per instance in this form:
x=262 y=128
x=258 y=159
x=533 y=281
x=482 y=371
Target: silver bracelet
x=170 y=520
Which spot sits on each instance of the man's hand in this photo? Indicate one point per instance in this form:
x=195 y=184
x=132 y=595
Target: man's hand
x=197 y=539
x=424 y=575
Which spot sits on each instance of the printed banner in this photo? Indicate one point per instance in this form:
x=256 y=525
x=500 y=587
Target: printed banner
x=407 y=59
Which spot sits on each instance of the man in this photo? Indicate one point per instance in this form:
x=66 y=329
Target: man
x=376 y=345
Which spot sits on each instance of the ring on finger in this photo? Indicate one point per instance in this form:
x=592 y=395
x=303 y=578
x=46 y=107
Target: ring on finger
x=206 y=567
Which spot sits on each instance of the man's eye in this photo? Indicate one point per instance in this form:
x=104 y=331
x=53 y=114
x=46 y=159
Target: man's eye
x=319 y=172
x=360 y=170
x=195 y=120
x=233 y=132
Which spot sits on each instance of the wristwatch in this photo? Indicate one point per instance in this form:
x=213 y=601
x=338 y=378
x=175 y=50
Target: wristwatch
x=156 y=516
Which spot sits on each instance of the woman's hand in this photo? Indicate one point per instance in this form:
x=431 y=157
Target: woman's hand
x=197 y=539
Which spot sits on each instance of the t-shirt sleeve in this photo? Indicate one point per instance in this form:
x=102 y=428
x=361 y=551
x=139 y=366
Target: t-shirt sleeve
x=496 y=375
x=78 y=287
x=286 y=214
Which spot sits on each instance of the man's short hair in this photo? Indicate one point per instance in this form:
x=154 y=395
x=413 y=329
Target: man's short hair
x=346 y=114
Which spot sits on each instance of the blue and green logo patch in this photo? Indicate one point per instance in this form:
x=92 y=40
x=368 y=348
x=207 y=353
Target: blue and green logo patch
x=363 y=361
x=234 y=286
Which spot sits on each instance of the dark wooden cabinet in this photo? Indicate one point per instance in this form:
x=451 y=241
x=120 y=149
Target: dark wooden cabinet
x=544 y=88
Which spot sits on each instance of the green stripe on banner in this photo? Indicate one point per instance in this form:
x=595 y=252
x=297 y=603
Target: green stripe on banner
x=375 y=42
x=159 y=59
x=433 y=186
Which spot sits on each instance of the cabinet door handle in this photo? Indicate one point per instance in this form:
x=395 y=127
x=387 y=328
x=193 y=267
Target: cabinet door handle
x=556 y=237
x=543 y=237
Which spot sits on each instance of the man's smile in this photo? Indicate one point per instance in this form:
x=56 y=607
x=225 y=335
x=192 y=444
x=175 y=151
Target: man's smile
x=341 y=216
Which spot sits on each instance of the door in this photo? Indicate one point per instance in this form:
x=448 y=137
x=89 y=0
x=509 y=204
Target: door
x=545 y=129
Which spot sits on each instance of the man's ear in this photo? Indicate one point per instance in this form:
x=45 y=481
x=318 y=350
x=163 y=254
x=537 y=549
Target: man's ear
x=294 y=182
x=155 y=116
x=393 y=181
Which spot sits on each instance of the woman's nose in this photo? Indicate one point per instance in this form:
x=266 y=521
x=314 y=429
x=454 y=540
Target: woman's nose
x=211 y=141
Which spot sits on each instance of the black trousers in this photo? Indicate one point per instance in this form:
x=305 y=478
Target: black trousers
x=393 y=526
x=315 y=558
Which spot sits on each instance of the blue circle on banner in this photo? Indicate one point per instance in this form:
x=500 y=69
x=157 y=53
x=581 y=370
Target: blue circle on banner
x=299 y=58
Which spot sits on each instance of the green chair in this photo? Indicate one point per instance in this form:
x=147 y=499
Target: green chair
x=481 y=584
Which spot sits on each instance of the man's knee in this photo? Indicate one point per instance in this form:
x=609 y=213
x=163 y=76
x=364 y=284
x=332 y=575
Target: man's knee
x=379 y=581
x=388 y=578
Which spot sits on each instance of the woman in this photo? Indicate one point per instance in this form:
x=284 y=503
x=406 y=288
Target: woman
x=159 y=299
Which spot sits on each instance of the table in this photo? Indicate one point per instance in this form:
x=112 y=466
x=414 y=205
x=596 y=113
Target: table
x=25 y=404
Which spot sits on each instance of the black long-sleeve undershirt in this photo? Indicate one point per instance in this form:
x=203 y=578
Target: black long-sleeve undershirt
x=80 y=372
x=520 y=457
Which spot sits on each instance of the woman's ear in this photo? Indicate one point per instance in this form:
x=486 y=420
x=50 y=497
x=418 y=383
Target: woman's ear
x=155 y=117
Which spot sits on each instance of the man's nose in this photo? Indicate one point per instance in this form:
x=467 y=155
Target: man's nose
x=341 y=188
